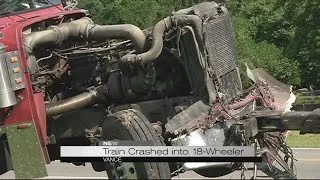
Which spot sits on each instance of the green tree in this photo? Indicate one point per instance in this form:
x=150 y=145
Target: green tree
x=251 y=19
x=263 y=55
x=293 y=26
x=263 y=29
x=143 y=13
x=305 y=44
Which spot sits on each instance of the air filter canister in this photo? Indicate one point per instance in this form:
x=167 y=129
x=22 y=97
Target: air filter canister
x=7 y=95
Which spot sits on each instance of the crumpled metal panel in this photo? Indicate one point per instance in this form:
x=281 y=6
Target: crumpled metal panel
x=210 y=137
x=281 y=93
x=189 y=119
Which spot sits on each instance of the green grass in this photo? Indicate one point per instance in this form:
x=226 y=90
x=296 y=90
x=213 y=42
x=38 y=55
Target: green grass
x=301 y=99
x=295 y=140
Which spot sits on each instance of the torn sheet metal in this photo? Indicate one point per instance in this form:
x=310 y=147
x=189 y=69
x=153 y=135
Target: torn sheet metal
x=282 y=95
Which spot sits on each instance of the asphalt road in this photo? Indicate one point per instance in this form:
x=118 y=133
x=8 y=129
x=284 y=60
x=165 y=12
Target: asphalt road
x=307 y=168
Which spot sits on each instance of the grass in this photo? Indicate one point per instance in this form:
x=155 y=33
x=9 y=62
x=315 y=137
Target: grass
x=304 y=99
x=295 y=140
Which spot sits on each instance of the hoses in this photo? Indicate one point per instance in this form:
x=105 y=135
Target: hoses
x=83 y=29
x=157 y=36
x=122 y=31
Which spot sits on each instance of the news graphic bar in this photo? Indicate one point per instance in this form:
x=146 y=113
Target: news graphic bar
x=126 y=143
x=158 y=154
x=161 y=159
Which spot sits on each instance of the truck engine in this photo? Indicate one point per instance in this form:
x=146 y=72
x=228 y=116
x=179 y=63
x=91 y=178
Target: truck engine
x=176 y=84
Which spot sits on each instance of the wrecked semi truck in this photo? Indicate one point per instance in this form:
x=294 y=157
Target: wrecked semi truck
x=68 y=81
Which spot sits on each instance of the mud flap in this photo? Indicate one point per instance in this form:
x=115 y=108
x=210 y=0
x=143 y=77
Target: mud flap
x=25 y=151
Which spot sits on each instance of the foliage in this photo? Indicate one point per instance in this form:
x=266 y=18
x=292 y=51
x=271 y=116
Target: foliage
x=293 y=26
x=280 y=36
x=263 y=55
x=143 y=13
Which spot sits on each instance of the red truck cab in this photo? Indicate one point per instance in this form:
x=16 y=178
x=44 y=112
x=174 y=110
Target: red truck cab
x=16 y=20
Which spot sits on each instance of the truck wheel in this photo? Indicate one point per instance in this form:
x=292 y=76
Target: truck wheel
x=133 y=125
x=213 y=172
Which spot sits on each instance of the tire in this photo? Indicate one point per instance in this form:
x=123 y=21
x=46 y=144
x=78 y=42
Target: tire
x=133 y=125
x=213 y=172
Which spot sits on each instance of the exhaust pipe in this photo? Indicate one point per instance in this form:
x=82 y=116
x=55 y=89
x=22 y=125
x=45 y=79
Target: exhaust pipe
x=56 y=34
x=122 y=31
x=85 y=29
x=157 y=36
x=81 y=29
x=76 y=102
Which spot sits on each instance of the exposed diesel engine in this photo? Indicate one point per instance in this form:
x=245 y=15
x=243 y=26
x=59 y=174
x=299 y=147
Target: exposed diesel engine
x=91 y=67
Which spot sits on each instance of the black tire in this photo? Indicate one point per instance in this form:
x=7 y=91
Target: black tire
x=213 y=172
x=133 y=125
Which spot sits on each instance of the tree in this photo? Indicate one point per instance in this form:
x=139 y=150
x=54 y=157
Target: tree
x=251 y=19
x=293 y=26
x=262 y=54
x=263 y=29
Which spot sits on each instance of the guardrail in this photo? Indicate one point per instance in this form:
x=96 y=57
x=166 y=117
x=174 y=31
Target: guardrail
x=305 y=107
x=306 y=92
x=307 y=99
